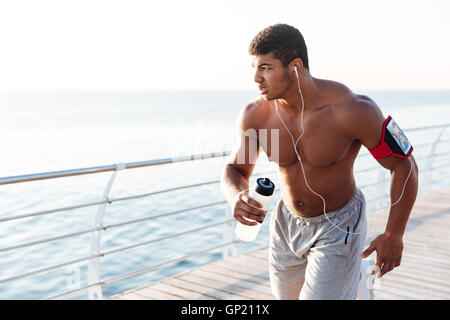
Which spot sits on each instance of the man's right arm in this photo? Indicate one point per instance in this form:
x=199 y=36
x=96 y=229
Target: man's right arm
x=239 y=168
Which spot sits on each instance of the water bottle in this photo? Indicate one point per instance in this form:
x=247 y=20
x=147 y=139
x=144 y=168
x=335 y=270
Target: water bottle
x=261 y=191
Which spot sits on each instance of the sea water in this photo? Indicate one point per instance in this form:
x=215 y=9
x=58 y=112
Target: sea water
x=52 y=131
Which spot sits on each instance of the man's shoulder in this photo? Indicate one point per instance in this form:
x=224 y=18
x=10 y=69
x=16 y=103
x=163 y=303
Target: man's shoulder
x=351 y=106
x=344 y=98
x=356 y=112
x=259 y=106
x=254 y=114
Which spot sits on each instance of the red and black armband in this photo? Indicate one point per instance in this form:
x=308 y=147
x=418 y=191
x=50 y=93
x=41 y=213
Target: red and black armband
x=393 y=141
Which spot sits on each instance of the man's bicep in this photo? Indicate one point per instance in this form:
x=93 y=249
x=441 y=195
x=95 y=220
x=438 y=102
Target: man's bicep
x=243 y=157
x=246 y=149
x=364 y=121
x=390 y=162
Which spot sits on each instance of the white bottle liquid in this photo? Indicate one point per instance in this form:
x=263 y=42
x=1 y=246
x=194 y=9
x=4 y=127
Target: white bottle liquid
x=261 y=191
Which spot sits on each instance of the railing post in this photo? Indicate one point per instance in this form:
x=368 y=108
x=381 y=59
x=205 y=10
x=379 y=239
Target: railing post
x=95 y=245
x=429 y=167
x=228 y=235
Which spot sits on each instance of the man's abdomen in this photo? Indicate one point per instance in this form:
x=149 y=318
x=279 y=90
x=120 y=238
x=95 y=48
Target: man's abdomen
x=335 y=183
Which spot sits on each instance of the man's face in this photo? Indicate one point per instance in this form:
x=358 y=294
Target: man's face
x=270 y=75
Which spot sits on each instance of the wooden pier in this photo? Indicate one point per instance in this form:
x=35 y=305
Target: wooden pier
x=424 y=272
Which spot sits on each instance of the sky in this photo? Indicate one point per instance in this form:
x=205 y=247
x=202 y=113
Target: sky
x=203 y=45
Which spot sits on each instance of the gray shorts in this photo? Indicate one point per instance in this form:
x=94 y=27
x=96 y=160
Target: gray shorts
x=309 y=258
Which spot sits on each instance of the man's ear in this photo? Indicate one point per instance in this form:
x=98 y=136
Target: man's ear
x=297 y=62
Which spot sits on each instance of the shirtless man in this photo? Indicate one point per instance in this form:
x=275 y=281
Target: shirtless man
x=314 y=255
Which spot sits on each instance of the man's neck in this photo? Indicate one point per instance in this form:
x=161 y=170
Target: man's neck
x=292 y=102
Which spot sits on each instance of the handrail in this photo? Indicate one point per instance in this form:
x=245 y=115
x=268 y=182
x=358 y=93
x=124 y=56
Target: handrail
x=112 y=167
x=133 y=246
x=132 y=165
x=102 y=283
x=101 y=202
x=98 y=228
x=109 y=201
x=69 y=235
x=104 y=228
x=112 y=251
x=437 y=126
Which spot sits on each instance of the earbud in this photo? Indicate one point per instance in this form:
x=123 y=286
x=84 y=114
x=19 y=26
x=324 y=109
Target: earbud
x=296 y=72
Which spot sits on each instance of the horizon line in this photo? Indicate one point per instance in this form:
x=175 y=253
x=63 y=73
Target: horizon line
x=67 y=90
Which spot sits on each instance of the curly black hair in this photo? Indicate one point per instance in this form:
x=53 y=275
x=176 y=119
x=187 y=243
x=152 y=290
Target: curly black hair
x=284 y=41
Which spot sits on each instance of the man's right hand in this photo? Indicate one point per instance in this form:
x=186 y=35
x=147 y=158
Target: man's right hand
x=245 y=208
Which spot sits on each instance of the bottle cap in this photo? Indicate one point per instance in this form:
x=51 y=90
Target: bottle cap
x=265 y=187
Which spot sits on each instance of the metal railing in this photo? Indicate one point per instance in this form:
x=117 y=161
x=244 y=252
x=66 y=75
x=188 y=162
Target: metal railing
x=95 y=284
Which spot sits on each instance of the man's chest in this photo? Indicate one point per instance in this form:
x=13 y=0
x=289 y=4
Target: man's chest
x=322 y=143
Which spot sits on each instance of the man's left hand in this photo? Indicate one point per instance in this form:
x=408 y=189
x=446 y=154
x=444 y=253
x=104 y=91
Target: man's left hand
x=389 y=252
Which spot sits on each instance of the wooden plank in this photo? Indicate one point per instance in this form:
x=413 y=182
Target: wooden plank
x=229 y=280
x=414 y=242
x=236 y=291
x=236 y=274
x=389 y=295
x=251 y=260
x=264 y=249
x=245 y=269
x=423 y=208
x=427 y=269
x=421 y=214
x=427 y=282
x=258 y=260
x=423 y=269
x=241 y=288
x=204 y=291
x=394 y=285
x=434 y=260
x=251 y=264
x=423 y=249
x=422 y=255
x=153 y=294
x=131 y=296
x=428 y=223
x=187 y=290
x=180 y=293
x=418 y=288
x=427 y=238
x=261 y=254
x=438 y=195
x=435 y=205
x=426 y=250
x=392 y=293
x=421 y=241
x=211 y=288
x=416 y=236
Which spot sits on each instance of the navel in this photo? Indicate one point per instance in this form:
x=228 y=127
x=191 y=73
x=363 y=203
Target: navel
x=299 y=204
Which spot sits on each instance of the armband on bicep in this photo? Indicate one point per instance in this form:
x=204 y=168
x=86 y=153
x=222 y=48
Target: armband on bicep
x=393 y=141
